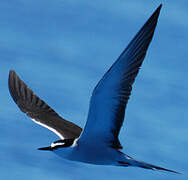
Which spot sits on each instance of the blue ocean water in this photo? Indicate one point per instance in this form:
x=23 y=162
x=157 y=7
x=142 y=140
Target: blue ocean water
x=61 y=49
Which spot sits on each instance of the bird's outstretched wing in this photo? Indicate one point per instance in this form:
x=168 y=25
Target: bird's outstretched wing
x=110 y=96
x=38 y=110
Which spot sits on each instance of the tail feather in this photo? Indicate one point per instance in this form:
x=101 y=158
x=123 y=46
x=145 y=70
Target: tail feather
x=142 y=164
x=153 y=167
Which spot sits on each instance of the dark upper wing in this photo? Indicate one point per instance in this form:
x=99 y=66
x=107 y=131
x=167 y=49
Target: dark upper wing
x=110 y=96
x=38 y=110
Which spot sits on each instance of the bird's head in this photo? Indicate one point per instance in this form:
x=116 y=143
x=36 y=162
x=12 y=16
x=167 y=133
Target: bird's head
x=58 y=144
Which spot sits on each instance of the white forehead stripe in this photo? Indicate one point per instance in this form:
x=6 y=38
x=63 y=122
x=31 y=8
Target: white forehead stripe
x=56 y=144
x=51 y=129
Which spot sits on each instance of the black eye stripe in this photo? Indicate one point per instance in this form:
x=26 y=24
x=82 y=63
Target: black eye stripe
x=59 y=141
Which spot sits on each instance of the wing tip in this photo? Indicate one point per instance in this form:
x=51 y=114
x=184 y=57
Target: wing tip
x=11 y=84
x=157 y=11
x=155 y=15
x=12 y=73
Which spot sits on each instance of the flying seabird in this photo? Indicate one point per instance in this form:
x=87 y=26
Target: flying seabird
x=98 y=143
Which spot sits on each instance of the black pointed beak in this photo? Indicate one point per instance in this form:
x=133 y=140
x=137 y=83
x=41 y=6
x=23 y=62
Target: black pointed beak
x=49 y=148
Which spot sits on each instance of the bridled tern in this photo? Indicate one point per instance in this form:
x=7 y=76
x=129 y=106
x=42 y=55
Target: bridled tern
x=98 y=143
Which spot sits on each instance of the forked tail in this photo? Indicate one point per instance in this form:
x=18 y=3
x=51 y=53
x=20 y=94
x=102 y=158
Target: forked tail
x=144 y=165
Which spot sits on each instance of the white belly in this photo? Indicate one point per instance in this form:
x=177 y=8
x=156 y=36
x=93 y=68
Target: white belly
x=90 y=154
